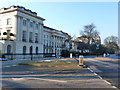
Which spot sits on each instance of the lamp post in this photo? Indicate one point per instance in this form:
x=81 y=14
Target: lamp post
x=8 y=35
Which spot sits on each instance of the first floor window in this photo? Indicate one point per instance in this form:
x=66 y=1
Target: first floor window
x=24 y=36
x=30 y=37
x=24 y=22
x=36 y=37
x=9 y=22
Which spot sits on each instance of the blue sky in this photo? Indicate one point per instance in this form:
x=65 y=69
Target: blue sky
x=72 y=16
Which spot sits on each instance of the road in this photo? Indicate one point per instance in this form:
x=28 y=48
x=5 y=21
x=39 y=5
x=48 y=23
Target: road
x=21 y=76
x=98 y=75
x=106 y=70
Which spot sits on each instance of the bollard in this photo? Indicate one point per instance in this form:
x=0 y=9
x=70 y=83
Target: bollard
x=70 y=55
x=81 y=60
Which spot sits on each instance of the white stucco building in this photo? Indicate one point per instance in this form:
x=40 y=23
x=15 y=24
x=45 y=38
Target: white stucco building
x=22 y=31
x=53 y=40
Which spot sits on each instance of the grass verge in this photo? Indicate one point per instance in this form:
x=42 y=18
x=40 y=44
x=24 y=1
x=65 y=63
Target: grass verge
x=54 y=63
x=106 y=59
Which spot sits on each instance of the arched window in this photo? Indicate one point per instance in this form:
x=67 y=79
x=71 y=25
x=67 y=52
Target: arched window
x=9 y=49
x=24 y=49
x=31 y=49
x=36 y=50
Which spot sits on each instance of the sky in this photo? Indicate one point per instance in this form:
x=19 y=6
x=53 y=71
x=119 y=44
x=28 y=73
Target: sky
x=71 y=17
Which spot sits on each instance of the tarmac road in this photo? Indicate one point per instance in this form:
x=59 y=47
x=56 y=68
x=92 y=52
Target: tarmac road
x=36 y=77
x=107 y=70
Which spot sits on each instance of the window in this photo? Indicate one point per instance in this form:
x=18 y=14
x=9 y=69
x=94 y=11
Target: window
x=36 y=50
x=31 y=50
x=24 y=36
x=36 y=38
x=36 y=26
x=0 y=32
x=44 y=36
x=30 y=37
x=9 y=49
x=0 y=22
x=9 y=22
x=24 y=22
x=31 y=24
x=24 y=50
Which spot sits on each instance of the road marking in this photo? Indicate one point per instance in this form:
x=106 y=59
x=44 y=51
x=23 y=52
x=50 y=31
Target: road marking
x=114 y=86
x=95 y=74
x=17 y=79
x=14 y=65
x=53 y=80
x=107 y=82
x=100 y=77
x=7 y=66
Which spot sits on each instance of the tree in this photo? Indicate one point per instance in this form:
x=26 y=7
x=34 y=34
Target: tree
x=111 y=42
x=90 y=33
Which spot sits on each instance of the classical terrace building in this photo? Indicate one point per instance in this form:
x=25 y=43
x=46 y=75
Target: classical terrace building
x=54 y=40
x=22 y=31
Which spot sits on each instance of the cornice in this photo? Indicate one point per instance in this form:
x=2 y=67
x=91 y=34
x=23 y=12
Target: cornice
x=17 y=9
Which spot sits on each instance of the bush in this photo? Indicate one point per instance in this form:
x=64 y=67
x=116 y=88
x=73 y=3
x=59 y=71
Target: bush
x=65 y=53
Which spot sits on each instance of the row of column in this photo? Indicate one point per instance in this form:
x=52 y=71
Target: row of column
x=18 y=29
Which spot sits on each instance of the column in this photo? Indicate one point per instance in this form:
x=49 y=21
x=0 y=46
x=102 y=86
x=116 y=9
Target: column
x=33 y=31
x=27 y=31
x=20 y=26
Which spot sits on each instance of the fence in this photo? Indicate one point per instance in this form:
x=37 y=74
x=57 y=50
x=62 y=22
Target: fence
x=28 y=56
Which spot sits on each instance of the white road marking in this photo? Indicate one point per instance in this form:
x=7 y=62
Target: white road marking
x=17 y=79
x=53 y=80
x=114 y=86
x=107 y=82
x=95 y=74
x=14 y=65
x=100 y=77
x=7 y=66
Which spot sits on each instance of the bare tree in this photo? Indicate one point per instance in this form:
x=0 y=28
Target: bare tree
x=89 y=32
x=111 y=42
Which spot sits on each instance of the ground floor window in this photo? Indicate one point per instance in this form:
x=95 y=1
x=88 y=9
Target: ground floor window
x=9 y=49
x=31 y=50
x=24 y=49
x=36 y=50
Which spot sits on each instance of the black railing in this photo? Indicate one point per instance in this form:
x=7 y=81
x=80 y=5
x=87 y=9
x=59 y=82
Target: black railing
x=27 y=55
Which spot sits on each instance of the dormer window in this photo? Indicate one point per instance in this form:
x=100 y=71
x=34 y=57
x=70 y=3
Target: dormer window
x=9 y=22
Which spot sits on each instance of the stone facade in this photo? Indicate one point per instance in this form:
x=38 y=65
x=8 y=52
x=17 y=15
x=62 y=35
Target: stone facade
x=22 y=31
